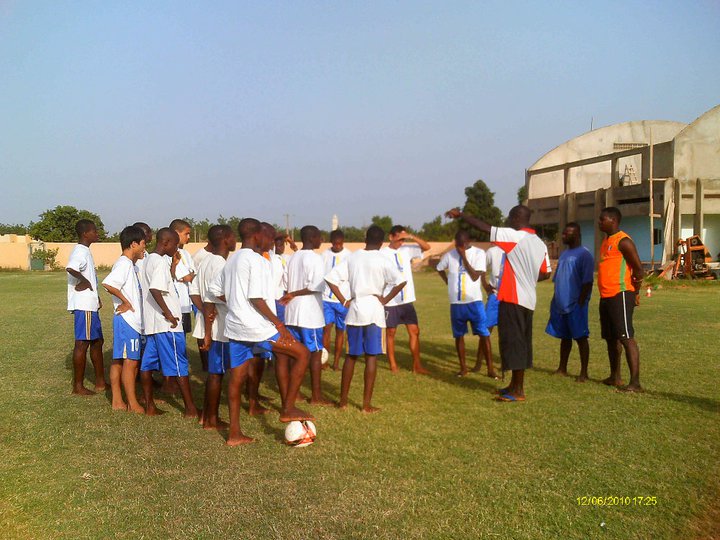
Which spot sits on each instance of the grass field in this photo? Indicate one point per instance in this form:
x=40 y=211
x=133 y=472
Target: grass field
x=442 y=459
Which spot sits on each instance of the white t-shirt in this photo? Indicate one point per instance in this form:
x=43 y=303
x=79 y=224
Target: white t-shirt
x=402 y=258
x=199 y=256
x=243 y=278
x=157 y=276
x=526 y=257
x=495 y=264
x=368 y=273
x=306 y=271
x=279 y=272
x=184 y=267
x=208 y=270
x=124 y=277
x=330 y=261
x=461 y=288
x=81 y=260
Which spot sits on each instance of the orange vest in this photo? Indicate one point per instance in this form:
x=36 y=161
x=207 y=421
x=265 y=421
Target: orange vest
x=614 y=274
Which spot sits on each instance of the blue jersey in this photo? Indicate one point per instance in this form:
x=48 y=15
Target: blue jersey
x=574 y=269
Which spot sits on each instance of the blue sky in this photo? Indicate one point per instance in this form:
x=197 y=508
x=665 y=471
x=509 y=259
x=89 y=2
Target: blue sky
x=154 y=110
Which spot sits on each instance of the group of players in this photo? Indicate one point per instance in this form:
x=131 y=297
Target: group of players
x=255 y=303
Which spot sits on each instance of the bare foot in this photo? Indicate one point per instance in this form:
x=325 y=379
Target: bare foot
x=341 y=405
x=494 y=375
x=560 y=372
x=137 y=409
x=581 y=378
x=219 y=425
x=419 y=370
x=476 y=368
x=630 y=388
x=394 y=369
x=82 y=391
x=461 y=373
x=293 y=414
x=370 y=409
x=153 y=411
x=325 y=367
x=101 y=388
x=121 y=406
x=258 y=410
x=321 y=401
x=611 y=381
x=237 y=441
x=336 y=367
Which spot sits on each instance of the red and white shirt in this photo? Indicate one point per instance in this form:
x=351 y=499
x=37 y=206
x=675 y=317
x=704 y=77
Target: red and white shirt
x=525 y=257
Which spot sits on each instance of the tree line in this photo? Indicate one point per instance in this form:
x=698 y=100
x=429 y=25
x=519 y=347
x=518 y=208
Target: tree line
x=58 y=224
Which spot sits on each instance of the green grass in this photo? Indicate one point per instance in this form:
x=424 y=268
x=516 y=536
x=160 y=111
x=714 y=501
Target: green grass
x=442 y=459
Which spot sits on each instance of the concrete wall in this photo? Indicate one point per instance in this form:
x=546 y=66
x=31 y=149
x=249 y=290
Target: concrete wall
x=17 y=254
x=697 y=148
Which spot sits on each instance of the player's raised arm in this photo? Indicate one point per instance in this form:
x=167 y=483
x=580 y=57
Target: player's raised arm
x=456 y=213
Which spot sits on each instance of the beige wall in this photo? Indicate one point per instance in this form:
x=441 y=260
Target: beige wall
x=16 y=255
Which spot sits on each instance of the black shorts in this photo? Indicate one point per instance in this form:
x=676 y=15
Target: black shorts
x=515 y=335
x=402 y=314
x=187 y=323
x=616 y=315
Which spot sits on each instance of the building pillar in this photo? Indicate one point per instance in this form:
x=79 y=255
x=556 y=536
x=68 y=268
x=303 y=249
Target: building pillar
x=562 y=221
x=609 y=197
x=571 y=207
x=566 y=180
x=614 y=175
x=677 y=216
x=699 y=221
x=597 y=207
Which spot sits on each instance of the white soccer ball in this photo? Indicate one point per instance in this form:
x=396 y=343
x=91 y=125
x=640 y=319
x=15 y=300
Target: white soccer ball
x=324 y=356
x=300 y=434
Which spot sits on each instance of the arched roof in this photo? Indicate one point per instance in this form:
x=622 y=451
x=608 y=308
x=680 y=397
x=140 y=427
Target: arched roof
x=602 y=140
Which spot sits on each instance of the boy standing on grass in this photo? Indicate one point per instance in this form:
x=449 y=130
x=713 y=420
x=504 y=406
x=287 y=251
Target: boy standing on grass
x=304 y=314
x=184 y=272
x=369 y=273
x=335 y=312
x=165 y=347
x=210 y=323
x=84 y=303
x=252 y=328
x=620 y=276
x=279 y=270
x=401 y=309
x=573 y=281
x=526 y=263
x=462 y=269
x=123 y=284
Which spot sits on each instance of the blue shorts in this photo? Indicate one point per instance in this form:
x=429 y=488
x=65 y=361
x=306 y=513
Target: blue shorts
x=126 y=340
x=369 y=339
x=242 y=351
x=473 y=313
x=491 y=311
x=335 y=313
x=87 y=325
x=312 y=338
x=573 y=325
x=218 y=357
x=280 y=311
x=165 y=352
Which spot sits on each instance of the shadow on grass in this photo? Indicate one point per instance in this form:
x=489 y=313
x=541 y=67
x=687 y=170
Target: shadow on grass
x=707 y=404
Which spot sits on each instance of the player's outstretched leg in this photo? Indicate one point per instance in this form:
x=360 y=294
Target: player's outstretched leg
x=370 y=372
x=254 y=375
x=96 y=357
x=79 y=359
x=295 y=372
x=236 y=380
x=129 y=374
x=460 y=349
x=115 y=374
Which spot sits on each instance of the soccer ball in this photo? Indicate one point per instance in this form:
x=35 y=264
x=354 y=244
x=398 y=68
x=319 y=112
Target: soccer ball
x=300 y=434
x=324 y=356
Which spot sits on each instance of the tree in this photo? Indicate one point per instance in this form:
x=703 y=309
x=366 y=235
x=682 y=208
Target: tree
x=58 y=224
x=384 y=222
x=437 y=231
x=480 y=203
x=7 y=228
x=522 y=194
